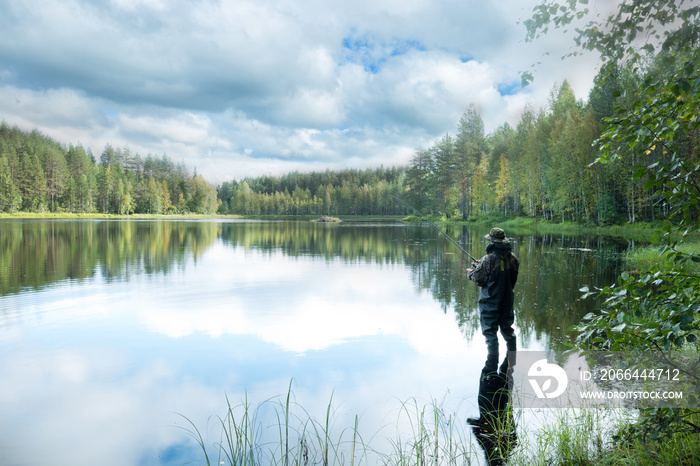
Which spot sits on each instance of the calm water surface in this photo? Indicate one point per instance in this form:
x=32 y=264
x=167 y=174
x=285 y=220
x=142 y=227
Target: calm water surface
x=109 y=329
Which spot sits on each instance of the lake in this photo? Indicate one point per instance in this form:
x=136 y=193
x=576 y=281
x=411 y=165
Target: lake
x=112 y=330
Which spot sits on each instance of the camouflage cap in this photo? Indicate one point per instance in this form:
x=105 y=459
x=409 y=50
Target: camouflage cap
x=497 y=235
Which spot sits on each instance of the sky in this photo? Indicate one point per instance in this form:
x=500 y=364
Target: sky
x=249 y=87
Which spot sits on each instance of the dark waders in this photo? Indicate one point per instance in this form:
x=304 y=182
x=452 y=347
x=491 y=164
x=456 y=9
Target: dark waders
x=502 y=317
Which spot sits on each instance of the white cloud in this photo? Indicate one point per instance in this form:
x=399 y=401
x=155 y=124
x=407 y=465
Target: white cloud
x=182 y=128
x=312 y=108
x=135 y=4
x=59 y=108
x=431 y=90
x=245 y=88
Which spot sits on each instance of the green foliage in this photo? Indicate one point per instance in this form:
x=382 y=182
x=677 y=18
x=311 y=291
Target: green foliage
x=345 y=192
x=654 y=310
x=470 y=148
x=10 y=199
x=662 y=22
x=418 y=178
x=656 y=128
x=543 y=168
x=659 y=309
x=37 y=174
x=204 y=198
x=444 y=165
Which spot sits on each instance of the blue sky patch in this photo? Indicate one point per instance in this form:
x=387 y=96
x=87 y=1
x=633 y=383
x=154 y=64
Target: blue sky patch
x=509 y=88
x=373 y=54
x=108 y=111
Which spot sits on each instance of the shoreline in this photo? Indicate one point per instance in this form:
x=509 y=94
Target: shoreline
x=640 y=230
x=97 y=216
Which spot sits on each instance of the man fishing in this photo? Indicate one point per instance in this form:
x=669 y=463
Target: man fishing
x=496 y=274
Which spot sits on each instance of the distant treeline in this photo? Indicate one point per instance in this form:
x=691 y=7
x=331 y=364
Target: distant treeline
x=38 y=174
x=344 y=192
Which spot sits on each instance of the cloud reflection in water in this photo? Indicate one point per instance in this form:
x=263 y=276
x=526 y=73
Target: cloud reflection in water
x=98 y=372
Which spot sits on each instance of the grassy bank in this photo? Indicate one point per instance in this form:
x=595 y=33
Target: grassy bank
x=78 y=216
x=636 y=231
x=646 y=257
x=628 y=230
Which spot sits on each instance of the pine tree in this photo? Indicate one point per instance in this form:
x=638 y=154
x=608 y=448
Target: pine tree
x=469 y=148
x=444 y=163
x=10 y=199
x=418 y=178
x=56 y=176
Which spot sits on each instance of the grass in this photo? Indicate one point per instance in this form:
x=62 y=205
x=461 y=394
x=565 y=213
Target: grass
x=641 y=231
x=645 y=257
x=248 y=438
x=678 y=449
x=638 y=231
x=280 y=432
x=576 y=437
x=434 y=436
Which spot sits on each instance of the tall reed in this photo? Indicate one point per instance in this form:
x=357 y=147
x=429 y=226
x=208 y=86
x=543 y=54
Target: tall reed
x=280 y=432
x=246 y=437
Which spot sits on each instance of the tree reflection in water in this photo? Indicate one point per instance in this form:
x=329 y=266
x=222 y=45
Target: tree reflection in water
x=37 y=253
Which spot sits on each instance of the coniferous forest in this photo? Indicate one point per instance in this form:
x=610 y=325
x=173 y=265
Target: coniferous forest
x=38 y=174
x=543 y=168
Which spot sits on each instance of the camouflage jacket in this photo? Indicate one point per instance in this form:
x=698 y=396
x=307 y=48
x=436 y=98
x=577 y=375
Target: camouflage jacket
x=496 y=274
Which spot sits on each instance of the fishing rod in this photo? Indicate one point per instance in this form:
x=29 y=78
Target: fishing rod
x=434 y=226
